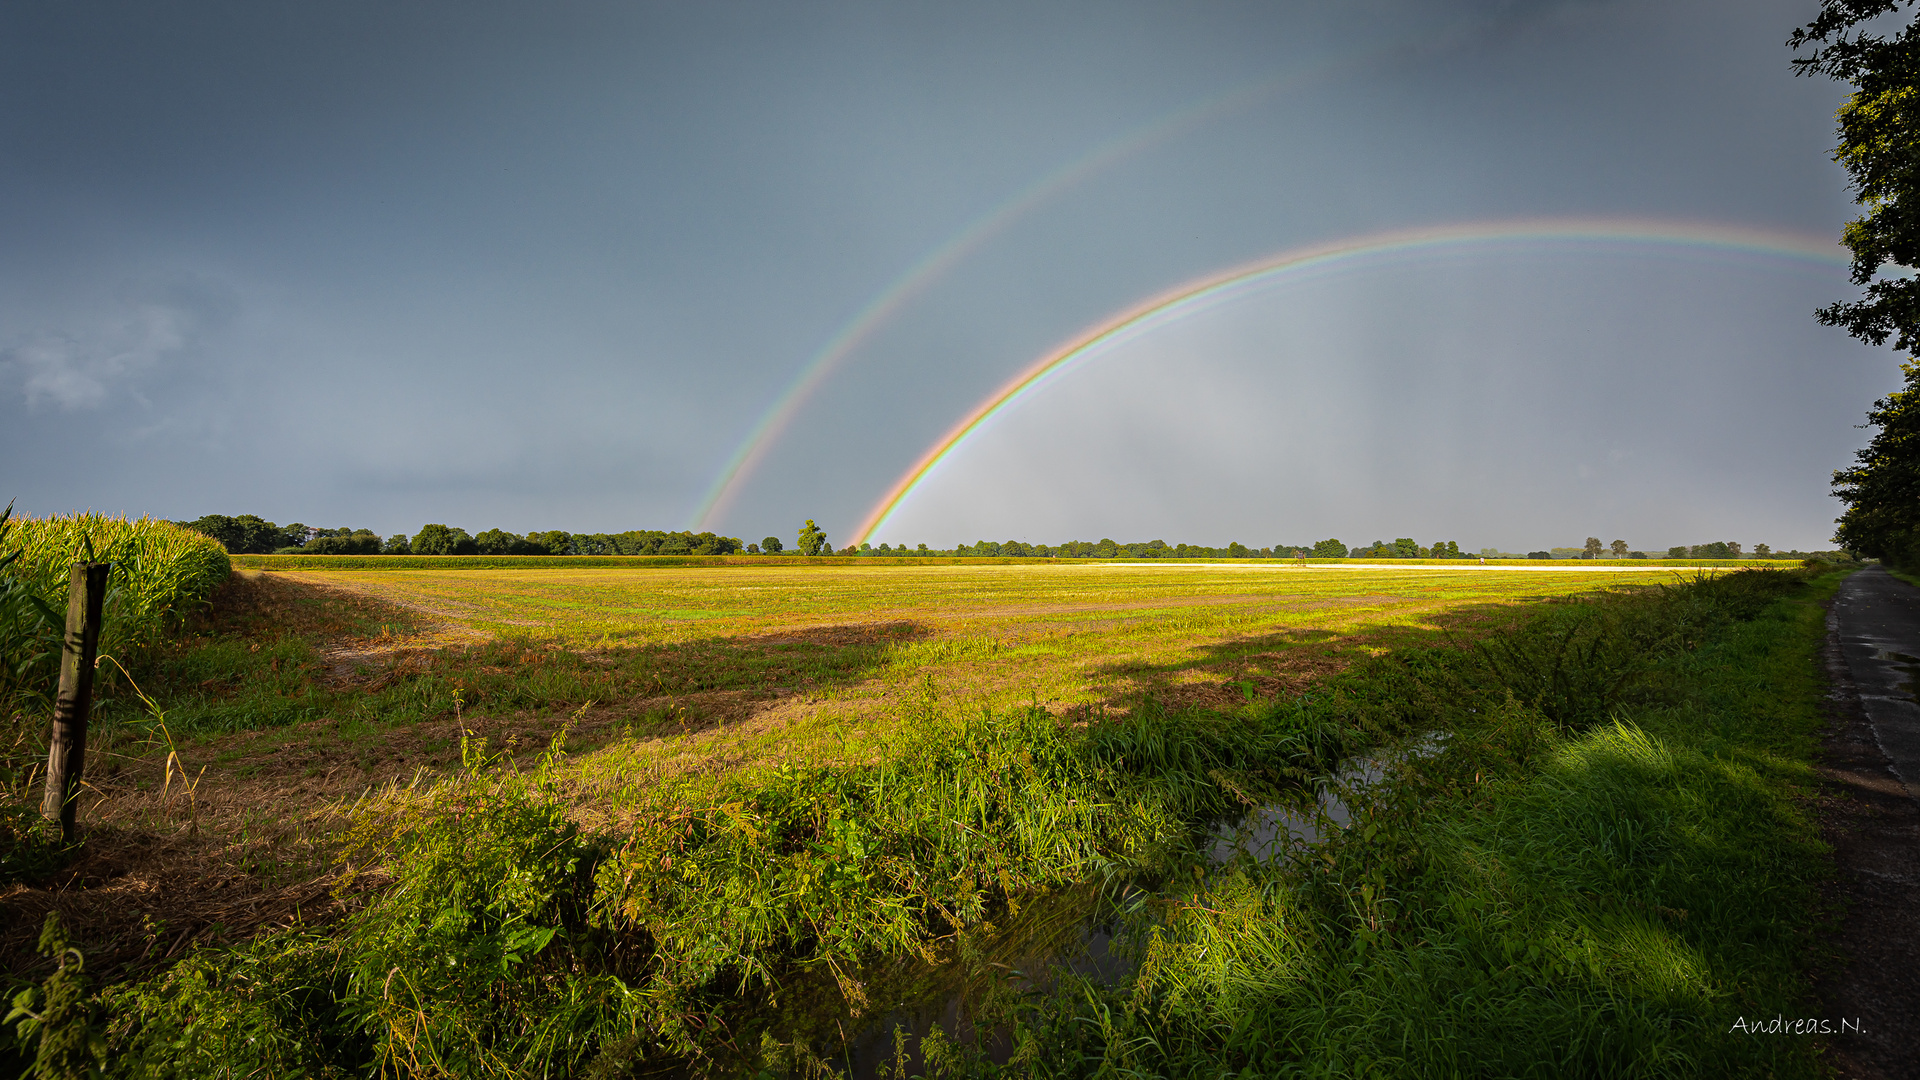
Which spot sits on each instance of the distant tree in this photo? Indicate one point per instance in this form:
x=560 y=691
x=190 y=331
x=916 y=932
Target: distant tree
x=753 y=549
x=1405 y=548
x=443 y=540
x=813 y=539
x=1733 y=548
x=500 y=542
x=1329 y=549
x=1679 y=552
x=553 y=542
x=1619 y=549
x=1236 y=550
x=397 y=544
x=923 y=549
x=1761 y=551
x=1593 y=548
x=1539 y=554
x=1636 y=555
x=247 y=534
x=771 y=545
x=343 y=542
x=295 y=535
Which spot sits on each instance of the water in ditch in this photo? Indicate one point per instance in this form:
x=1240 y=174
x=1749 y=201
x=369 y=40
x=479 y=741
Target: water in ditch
x=1069 y=931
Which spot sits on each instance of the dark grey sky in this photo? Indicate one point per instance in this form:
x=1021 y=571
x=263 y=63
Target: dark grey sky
x=546 y=266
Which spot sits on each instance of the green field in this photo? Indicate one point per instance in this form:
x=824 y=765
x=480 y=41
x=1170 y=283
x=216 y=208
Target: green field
x=794 y=799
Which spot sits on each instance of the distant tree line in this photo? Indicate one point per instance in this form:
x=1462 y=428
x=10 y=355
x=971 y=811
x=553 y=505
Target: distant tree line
x=248 y=534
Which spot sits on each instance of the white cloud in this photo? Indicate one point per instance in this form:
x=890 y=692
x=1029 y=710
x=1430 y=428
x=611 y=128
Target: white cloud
x=78 y=371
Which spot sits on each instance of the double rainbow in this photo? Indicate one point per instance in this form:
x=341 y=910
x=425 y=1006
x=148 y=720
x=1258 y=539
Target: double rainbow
x=1301 y=263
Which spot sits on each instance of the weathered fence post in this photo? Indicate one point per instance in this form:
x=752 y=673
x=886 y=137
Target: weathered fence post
x=66 y=758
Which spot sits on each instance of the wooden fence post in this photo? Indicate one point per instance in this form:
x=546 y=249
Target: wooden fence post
x=66 y=758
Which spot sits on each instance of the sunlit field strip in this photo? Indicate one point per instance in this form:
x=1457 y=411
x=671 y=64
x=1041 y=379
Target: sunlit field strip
x=613 y=606
x=986 y=637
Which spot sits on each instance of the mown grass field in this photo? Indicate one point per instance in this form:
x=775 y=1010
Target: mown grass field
x=1068 y=634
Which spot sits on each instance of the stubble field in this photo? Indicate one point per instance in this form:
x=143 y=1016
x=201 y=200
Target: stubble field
x=796 y=660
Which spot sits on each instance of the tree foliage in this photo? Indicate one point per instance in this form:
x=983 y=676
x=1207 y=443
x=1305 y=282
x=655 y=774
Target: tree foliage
x=813 y=540
x=1880 y=150
x=248 y=534
x=1879 y=131
x=1882 y=490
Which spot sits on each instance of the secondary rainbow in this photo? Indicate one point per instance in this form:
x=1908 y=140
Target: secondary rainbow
x=1348 y=253
x=779 y=417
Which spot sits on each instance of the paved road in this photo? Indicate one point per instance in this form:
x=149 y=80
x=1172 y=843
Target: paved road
x=1877 y=617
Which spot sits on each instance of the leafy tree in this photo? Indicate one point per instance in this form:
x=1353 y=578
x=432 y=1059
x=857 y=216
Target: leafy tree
x=1679 y=552
x=771 y=545
x=1539 y=554
x=500 y=542
x=1879 y=129
x=397 y=544
x=442 y=540
x=551 y=543
x=1406 y=548
x=813 y=539
x=1329 y=549
x=343 y=542
x=1619 y=549
x=1593 y=548
x=1882 y=489
x=247 y=534
x=1761 y=551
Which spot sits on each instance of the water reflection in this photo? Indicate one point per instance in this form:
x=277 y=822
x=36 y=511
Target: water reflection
x=1070 y=931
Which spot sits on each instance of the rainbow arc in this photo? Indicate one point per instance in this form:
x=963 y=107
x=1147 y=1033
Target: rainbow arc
x=1346 y=254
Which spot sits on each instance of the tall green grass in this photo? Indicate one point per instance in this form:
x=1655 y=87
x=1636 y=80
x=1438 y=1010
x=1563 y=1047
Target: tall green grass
x=1608 y=865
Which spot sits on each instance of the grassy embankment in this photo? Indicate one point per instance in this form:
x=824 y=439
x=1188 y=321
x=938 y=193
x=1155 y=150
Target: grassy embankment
x=1607 y=871
x=523 y=940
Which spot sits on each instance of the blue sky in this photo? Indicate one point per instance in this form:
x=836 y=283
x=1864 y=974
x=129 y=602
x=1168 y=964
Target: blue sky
x=547 y=266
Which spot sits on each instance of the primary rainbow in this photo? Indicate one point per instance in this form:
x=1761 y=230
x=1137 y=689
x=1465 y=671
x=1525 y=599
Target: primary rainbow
x=1349 y=252
x=855 y=332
